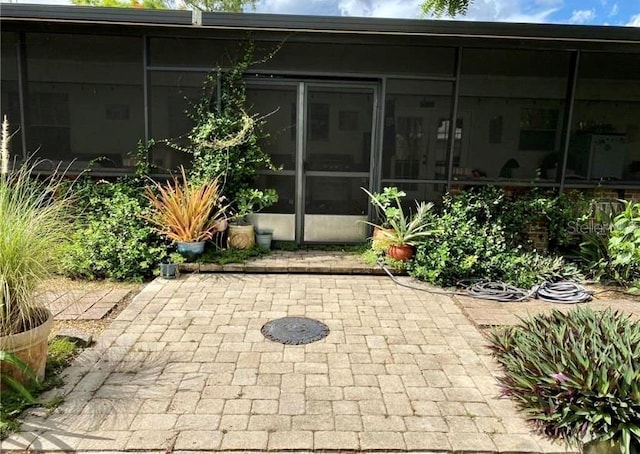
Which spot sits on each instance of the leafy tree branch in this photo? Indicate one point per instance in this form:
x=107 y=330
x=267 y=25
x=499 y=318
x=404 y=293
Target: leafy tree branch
x=450 y=8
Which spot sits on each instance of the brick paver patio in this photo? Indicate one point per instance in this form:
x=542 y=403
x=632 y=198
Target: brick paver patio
x=84 y=301
x=185 y=367
x=486 y=313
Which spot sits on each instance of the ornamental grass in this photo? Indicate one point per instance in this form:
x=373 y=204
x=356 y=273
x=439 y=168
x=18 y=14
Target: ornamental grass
x=34 y=224
x=185 y=211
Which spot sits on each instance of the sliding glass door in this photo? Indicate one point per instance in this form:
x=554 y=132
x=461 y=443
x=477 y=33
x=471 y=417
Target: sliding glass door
x=336 y=157
x=321 y=134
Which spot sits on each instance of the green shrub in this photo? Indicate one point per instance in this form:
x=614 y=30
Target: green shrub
x=111 y=239
x=462 y=248
x=624 y=244
x=557 y=212
x=225 y=137
x=481 y=234
x=470 y=241
x=576 y=376
x=615 y=254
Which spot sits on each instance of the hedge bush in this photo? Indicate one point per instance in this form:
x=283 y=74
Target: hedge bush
x=112 y=240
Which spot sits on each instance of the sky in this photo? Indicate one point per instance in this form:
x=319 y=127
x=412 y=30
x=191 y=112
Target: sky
x=582 y=12
x=589 y=12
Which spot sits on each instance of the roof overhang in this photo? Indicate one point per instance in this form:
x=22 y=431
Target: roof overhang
x=327 y=25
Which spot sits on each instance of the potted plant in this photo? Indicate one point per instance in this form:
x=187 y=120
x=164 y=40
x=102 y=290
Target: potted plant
x=169 y=267
x=576 y=376
x=34 y=223
x=403 y=231
x=241 y=234
x=187 y=212
x=264 y=237
x=385 y=210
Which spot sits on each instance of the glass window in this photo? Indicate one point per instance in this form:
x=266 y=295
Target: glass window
x=538 y=129
x=511 y=104
x=362 y=58
x=285 y=185
x=427 y=192
x=172 y=95
x=336 y=195
x=9 y=97
x=208 y=53
x=605 y=132
x=85 y=98
x=416 y=130
x=275 y=105
x=339 y=123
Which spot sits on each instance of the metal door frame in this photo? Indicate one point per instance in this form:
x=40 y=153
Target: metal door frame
x=301 y=143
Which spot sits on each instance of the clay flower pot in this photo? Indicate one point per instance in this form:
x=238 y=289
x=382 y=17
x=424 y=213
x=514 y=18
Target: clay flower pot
x=29 y=346
x=241 y=236
x=402 y=252
x=380 y=239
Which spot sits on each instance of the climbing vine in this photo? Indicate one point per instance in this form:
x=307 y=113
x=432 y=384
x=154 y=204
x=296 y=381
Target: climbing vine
x=224 y=139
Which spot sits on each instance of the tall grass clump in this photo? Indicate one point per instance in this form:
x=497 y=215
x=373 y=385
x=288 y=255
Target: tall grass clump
x=33 y=226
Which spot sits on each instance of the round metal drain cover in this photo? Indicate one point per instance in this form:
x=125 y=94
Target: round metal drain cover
x=295 y=330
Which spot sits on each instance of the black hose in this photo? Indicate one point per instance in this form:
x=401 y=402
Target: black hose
x=563 y=292
x=497 y=291
x=402 y=284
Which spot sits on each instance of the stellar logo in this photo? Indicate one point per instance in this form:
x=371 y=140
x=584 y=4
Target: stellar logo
x=600 y=223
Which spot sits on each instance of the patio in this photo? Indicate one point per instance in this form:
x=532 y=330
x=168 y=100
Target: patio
x=185 y=367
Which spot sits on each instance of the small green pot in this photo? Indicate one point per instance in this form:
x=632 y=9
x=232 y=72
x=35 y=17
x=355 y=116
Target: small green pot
x=264 y=237
x=168 y=270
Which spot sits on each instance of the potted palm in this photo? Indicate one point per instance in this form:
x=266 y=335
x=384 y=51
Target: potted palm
x=406 y=231
x=385 y=210
x=400 y=233
x=187 y=212
x=241 y=233
x=34 y=222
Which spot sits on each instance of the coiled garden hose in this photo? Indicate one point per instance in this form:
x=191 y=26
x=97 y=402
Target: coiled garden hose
x=497 y=291
x=563 y=292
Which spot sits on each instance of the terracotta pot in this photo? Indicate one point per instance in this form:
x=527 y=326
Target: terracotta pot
x=241 y=236
x=29 y=346
x=380 y=241
x=401 y=252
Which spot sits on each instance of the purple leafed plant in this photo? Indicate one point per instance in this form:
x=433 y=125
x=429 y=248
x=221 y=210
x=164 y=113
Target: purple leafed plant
x=576 y=376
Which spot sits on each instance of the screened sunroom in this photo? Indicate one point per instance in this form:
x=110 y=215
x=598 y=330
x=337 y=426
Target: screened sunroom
x=348 y=102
